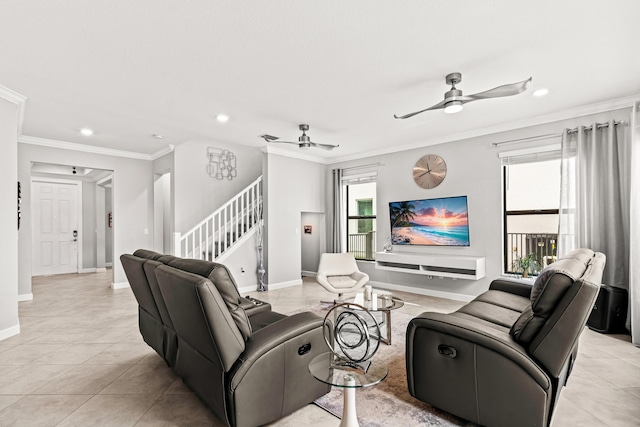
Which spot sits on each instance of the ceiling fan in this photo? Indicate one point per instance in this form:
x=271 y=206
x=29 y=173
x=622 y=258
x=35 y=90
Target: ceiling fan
x=454 y=100
x=304 y=142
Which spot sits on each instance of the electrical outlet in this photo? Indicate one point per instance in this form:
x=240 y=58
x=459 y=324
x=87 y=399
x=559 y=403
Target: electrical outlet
x=242 y=270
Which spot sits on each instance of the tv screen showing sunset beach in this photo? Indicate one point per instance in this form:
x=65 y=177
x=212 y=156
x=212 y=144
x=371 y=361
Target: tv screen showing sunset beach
x=430 y=222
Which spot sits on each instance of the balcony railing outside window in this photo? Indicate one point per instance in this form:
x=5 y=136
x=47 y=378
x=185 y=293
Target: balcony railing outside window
x=362 y=245
x=521 y=244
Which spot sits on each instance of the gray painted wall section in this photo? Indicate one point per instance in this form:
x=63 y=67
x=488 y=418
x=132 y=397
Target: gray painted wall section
x=132 y=202
x=108 y=232
x=89 y=237
x=197 y=194
x=9 y=323
x=293 y=186
x=474 y=170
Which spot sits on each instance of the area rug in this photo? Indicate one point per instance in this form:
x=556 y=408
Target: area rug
x=389 y=403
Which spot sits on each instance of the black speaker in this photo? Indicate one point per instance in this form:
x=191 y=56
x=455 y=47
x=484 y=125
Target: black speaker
x=609 y=314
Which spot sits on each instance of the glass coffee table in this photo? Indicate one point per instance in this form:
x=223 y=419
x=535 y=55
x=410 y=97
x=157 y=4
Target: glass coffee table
x=325 y=367
x=381 y=304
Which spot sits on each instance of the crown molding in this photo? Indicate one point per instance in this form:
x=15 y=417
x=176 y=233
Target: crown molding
x=585 y=110
x=44 y=142
x=294 y=154
x=18 y=99
x=166 y=150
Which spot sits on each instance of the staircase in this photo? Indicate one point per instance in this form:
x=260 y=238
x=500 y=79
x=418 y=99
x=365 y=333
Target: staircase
x=215 y=237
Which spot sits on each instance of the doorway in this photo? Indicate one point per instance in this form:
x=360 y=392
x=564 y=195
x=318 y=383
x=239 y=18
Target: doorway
x=55 y=226
x=313 y=241
x=71 y=219
x=162 y=215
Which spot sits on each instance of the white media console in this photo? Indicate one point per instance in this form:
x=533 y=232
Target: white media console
x=452 y=266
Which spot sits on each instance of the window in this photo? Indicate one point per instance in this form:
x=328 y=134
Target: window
x=531 y=200
x=361 y=219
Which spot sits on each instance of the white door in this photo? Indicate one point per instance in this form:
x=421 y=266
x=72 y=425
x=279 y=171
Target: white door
x=55 y=228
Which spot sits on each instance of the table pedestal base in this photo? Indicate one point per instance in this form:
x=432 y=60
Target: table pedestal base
x=349 y=416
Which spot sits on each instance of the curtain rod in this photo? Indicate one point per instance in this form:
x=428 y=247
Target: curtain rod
x=363 y=166
x=597 y=125
x=555 y=135
x=530 y=138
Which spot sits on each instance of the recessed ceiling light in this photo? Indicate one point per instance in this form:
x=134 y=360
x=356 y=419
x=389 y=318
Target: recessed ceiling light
x=86 y=131
x=541 y=92
x=157 y=136
x=222 y=118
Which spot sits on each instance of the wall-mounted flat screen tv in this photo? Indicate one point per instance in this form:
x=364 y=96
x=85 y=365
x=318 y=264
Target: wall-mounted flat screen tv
x=430 y=222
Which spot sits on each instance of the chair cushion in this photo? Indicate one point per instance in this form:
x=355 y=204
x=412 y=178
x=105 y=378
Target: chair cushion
x=548 y=289
x=341 y=282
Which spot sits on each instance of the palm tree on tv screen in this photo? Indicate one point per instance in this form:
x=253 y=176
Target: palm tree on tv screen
x=402 y=212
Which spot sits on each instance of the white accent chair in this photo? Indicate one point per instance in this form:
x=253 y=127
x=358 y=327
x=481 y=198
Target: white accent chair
x=338 y=273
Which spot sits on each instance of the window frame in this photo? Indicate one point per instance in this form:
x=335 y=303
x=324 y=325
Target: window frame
x=349 y=217
x=505 y=215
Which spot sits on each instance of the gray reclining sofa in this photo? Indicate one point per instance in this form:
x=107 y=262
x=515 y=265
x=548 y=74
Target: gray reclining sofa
x=502 y=359
x=248 y=363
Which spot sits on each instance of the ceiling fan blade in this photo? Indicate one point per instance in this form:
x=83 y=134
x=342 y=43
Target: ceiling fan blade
x=285 y=142
x=323 y=146
x=433 y=107
x=268 y=138
x=500 y=91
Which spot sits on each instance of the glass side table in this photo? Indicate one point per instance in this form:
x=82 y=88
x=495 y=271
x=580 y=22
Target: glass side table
x=325 y=367
x=383 y=304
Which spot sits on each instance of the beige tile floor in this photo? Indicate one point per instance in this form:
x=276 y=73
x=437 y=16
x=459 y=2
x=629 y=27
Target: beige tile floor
x=80 y=361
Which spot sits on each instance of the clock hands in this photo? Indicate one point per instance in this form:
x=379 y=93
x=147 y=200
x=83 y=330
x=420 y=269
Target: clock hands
x=424 y=173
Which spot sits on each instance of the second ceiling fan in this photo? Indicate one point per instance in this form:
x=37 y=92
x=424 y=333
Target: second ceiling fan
x=304 y=142
x=454 y=99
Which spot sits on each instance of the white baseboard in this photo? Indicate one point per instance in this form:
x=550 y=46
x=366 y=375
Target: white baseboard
x=271 y=286
x=9 y=332
x=247 y=289
x=284 y=284
x=25 y=297
x=101 y=270
x=309 y=273
x=422 y=291
x=120 y=285
x=108 y=264
x=87 y=270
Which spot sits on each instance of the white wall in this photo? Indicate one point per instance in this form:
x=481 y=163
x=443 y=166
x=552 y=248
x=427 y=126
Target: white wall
x=164 y=200
x=474 y=170
x=293 y=186
x=197 y=194
x=9 y=324
x=108 y=232
x=132 y=202
x=88 y=238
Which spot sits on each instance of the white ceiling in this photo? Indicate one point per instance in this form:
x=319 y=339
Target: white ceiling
x=130 y=69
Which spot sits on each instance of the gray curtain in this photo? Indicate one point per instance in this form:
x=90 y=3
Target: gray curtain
x=595 y=196
x=338 y=223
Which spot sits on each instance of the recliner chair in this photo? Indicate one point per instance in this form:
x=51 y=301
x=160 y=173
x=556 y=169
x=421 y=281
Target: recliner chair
x=248 y=363
x=502 y=359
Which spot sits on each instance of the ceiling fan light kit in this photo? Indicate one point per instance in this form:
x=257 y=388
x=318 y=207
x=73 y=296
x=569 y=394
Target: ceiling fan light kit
x=454 y=99
x=304 y=142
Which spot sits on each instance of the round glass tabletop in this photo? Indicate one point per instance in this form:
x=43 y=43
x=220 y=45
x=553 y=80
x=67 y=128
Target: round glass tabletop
x=326 y=367
x=384 y=302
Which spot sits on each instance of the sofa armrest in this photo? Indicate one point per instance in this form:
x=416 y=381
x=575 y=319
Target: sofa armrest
x=273 y=335
x=482 y=335
x=513 y=286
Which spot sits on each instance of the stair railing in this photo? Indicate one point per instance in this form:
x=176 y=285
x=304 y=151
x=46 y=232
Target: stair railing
x=216 y=234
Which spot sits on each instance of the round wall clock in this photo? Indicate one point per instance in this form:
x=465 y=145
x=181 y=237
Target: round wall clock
x=429 y=171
